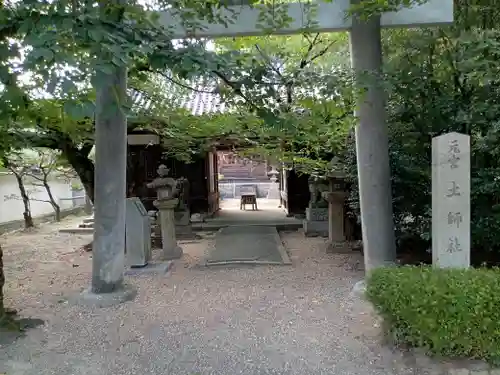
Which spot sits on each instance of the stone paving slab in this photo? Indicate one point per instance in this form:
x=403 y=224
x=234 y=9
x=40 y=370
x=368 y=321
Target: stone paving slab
x=248 y=245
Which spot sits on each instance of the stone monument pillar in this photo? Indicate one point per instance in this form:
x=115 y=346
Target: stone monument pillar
x=336 y=199
x=451 y=201
x=166 y=202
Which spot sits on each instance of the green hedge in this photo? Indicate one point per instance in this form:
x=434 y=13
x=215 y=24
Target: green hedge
x=449 y=312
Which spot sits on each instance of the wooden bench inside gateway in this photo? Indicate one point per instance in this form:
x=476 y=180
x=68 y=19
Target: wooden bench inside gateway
x=248 y=198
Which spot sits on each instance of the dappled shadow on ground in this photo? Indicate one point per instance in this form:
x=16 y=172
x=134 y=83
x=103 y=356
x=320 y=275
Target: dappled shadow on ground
x=295 y=320
x=13 y=328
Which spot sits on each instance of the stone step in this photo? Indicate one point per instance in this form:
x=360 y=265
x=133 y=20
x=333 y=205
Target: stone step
x=86 y=230
x=86 y=225
x=77 y=230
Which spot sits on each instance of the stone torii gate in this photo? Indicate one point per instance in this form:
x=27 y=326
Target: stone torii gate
x=371 y=131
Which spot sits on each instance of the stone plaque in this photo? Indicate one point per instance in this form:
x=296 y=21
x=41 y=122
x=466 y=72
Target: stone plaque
x=138 y=233
x=451 y=200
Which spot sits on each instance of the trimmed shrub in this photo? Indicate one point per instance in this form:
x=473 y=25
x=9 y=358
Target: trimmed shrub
x=449 y=312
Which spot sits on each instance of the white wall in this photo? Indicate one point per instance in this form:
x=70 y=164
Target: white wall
x=12 y=209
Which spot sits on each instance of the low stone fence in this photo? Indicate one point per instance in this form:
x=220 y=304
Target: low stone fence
x=233 y=189
x=13 y=225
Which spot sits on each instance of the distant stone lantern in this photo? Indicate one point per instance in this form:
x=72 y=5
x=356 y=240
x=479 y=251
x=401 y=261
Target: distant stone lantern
x=274 y=190
x=273 y=174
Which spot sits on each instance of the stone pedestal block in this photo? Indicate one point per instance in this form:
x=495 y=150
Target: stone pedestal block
x=316 y=214
x=167 y=224
x=316 y=222
x=274 y=191
x=182 y=218
x=183 y=228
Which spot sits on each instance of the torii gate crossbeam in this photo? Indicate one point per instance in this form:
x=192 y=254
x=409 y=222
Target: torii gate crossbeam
x=327 y=17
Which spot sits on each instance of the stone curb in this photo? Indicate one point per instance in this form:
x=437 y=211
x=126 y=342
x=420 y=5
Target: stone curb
x=467 y=371
x=15 y=225
x=419 y=361
x=281 y=249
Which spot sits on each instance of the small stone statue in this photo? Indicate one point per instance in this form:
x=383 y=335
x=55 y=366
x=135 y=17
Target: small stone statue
x=314 y=192
x=166 y=187
x=315 y=189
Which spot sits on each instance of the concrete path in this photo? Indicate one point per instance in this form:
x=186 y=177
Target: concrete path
x=268 y=213
x=248 y=244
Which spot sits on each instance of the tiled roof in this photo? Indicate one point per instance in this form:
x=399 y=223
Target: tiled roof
x=201 y=99
x=201 y=96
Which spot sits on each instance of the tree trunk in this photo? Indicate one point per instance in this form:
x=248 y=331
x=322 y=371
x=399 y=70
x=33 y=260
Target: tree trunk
x=89 y=187
x=2 y=283
x=77 y=157
x=57 y=211
x=84 y=168
x=55 y=206
x=28 y=219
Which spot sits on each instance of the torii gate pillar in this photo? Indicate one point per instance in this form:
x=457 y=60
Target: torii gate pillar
x=372 y=148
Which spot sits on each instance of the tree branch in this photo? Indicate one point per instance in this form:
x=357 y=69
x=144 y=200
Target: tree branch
x=268 y=60
x=235 y=88
x=312 y=43
x=175 y=82
x=38 y=178
x=318 y=55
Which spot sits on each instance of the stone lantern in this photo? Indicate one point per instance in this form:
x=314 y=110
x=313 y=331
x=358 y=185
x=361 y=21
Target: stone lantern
x=336 y=217
x=273 y=173
x=166 y=202
x=274 y=189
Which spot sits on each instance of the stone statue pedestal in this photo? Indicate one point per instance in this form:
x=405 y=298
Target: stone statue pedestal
x=316 y=222
x=167 y=224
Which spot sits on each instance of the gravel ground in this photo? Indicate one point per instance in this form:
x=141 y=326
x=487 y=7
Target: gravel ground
x=261 y=320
